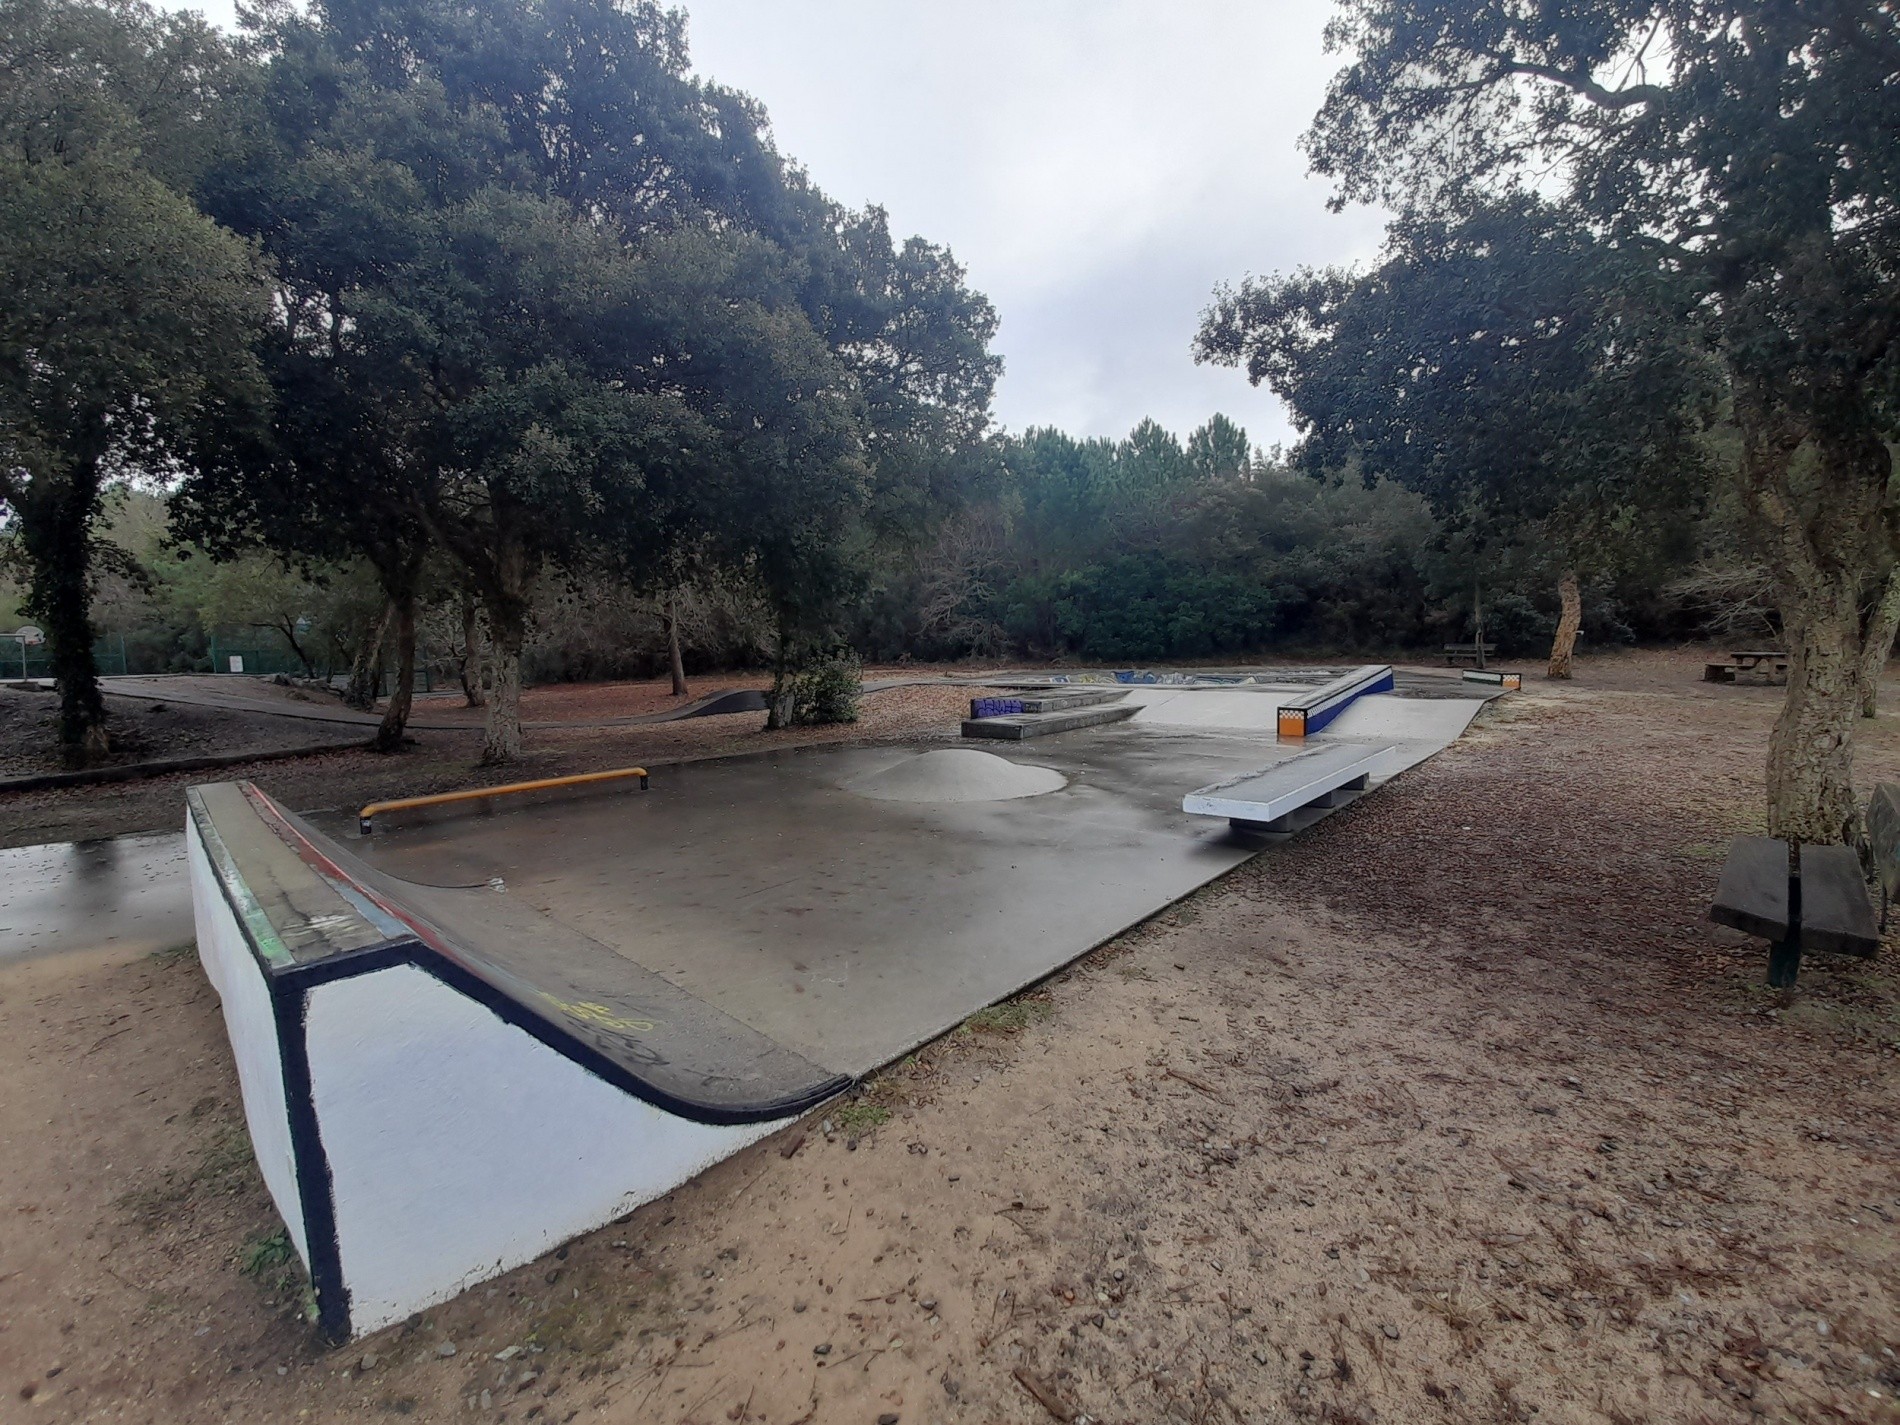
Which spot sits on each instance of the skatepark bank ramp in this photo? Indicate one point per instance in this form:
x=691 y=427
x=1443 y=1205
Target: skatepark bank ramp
x=422 y=1122
x=463 y=1041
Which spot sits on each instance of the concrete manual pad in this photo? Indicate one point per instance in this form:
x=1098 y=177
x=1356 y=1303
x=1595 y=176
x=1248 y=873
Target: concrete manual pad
x=845 y=929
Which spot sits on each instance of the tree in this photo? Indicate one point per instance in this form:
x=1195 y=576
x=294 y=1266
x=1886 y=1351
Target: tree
x=1751 y=152
x=1521 y=375
x=578 y=313
x=261 y=592
x=1219 y=451
x=126 y=318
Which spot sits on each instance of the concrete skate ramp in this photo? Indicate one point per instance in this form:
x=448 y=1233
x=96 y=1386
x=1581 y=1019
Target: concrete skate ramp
x=462 y=1042
x=843 y=928
x=1239 y=709
x=957 y=774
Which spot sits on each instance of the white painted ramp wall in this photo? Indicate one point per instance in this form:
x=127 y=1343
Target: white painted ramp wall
x=460 y=1146
x=251 y=1023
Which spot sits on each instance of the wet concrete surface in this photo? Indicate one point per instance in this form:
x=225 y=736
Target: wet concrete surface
x=761 y=885
x=127 y=893
x=844 y=928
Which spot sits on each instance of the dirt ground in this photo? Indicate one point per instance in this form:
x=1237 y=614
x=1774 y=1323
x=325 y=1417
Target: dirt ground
x=144 y=730
x=1453 y=1109
x=445 y=760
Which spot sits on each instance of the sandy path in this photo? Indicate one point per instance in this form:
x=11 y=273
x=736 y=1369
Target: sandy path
x=1453 y=1110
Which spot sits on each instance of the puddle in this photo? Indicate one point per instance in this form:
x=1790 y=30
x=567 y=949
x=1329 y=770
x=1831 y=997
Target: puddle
x=124 y=892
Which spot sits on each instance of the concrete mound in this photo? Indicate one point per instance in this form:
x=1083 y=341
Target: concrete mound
x=956 y=774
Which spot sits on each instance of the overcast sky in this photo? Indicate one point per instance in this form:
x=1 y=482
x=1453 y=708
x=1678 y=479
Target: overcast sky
x=1097 y=165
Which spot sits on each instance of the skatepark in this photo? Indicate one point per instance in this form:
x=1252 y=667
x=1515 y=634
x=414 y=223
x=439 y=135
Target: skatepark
x=634 y=977
x=1387 y=1007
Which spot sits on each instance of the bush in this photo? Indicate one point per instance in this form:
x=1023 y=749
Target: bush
x=1518 y=627
x=826 y=691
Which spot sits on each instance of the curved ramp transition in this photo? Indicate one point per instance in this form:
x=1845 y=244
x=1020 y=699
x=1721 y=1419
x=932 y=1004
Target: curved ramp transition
x=429 y=1109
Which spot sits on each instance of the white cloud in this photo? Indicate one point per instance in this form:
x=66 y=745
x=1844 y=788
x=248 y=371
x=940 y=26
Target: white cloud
x=1098 y=165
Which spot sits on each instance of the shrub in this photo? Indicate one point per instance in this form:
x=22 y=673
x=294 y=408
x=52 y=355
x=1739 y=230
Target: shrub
x=826 y=691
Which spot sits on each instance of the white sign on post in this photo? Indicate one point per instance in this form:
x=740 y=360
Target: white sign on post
x=237 y=663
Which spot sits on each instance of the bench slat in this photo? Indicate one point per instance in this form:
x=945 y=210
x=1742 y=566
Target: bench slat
x=1752 y=895
x=1836 y=912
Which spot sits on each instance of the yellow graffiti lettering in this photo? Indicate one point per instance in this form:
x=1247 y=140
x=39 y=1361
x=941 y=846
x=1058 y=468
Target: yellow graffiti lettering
x=600 y=1016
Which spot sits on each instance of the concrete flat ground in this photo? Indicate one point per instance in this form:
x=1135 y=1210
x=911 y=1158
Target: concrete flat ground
x=124 y=893
x=843 y=927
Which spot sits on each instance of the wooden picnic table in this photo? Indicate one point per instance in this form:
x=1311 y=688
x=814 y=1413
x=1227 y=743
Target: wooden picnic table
x=1771 y=662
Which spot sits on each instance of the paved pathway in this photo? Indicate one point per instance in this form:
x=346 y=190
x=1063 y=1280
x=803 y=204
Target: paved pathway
x=239 y=694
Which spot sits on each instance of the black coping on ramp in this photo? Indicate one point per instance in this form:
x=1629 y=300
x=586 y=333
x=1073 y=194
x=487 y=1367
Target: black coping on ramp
x=620 y=1021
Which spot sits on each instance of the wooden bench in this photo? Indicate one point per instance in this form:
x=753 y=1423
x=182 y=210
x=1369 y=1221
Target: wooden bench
x=1821 y=903
x=1456 y=653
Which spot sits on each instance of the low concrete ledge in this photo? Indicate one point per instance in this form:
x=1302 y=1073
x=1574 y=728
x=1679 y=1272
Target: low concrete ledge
x=1021 y=727
x=1267 y=800
x=1309 y=712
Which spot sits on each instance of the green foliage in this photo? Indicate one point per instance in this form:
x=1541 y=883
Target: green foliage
x=266 y=1255
x=1010 y=1017
x=860 y=1116
x=1744 y=160
x=1504 y=363
x=825 y=691
x=126 y=317
x=1143 y=606
x=1221 y=561
x=615 y=333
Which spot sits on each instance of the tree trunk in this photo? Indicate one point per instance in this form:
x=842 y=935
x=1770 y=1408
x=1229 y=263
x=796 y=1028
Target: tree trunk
x=68 y=615
x=288 y=628
x=366 y=670
x=1564 y=645
x=56 y=532
x=402 y=698
x=472 y=693
x=1878 y=645
x=505 y=601
x=1477 y=618
x=778 y=703
x=674 y=662
x=501 y=727
x=1822 y=554
x=1811 y=750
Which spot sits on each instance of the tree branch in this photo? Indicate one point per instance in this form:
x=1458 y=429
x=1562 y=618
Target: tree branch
x=1583 y=85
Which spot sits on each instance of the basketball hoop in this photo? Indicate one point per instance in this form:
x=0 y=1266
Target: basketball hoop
x=27 y=636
